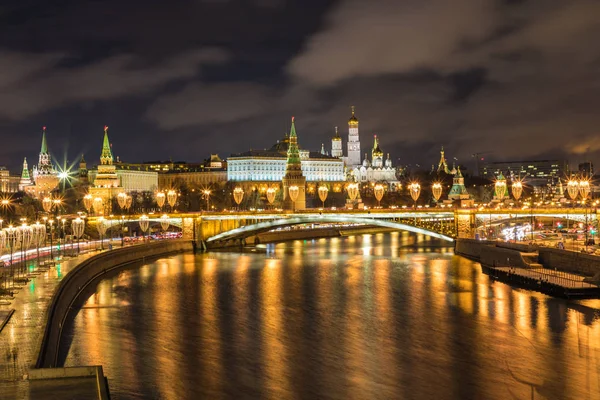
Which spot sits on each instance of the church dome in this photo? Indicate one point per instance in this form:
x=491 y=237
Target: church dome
x=353 y=121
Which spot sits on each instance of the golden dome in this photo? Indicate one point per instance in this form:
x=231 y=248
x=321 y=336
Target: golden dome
x=353 y=121
x=337 y=135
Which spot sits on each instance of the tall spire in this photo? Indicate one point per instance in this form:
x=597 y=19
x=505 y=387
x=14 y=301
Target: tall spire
x=337 y=135
x=106 y=157
x=293 y=154
x=353 y=121
x=443 y=165
x=44 y=149
x=323 y=148
x=25 y=178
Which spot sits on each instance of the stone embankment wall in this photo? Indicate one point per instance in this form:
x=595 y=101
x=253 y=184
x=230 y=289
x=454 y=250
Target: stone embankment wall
x=87 y=273
x=488 y=252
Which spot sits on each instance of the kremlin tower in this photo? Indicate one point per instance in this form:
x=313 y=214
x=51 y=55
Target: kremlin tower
x=353 y=159
x=294 y=183
x=106 y=182
x=25 y=179
x=376 y=154
x=45 y=177
x=336 y=145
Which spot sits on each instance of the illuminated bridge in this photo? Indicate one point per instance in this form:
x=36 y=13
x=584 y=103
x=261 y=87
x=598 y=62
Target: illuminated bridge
x=222 y=228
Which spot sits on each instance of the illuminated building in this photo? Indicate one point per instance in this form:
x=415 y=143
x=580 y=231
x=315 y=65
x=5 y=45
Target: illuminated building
x=25 y=180
x=353 y=159
x=459 y=192
x=538 y=172
x=8 y=183
x=270 y=165
x=44 y=178
x=376 y=170
x=294 y=183
x=336 y=145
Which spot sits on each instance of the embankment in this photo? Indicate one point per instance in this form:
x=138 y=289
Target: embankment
x=497 y=253
x=87 y=273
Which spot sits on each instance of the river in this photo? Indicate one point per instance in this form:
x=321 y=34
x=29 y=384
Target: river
x=361 y=317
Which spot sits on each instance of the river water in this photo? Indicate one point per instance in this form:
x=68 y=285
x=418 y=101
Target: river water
x=361 y=317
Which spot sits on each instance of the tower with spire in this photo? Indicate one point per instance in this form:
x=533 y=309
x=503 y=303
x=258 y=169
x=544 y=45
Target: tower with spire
x=459 y=191
x=353 y=159
x=293 y=177
x=376 y=154
x=336 y=145
x=83 y=172
x=107 y=171
x=25 y=181
x=45 y=176
x=443 y=165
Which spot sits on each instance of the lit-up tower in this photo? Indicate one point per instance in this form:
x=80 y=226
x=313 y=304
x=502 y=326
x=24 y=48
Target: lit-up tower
x=336 y=145
x=443 y=165
x=294 y=183
x=376 y=154
x=83 y=172
x=45 y=176
x=106 y=182
x=353 y=141
x=25 y=179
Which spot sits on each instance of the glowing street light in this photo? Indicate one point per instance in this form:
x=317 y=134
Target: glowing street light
x=172 y=198
x=436 y=190
x=378 y=191
x=323 y=191
x=206 y=196
x=584 y=189
x=98 y=205
x=573 y=188
x=101 y=226
x=161 y=197
x=517 y=189
x=88 y=201
x=164 y=222
x=293 y=191
x=352 y=190
x=238 y=195
x=47 y=203
x=144 y=225
x=78 y=225
x=271 y=195
x=415 y=191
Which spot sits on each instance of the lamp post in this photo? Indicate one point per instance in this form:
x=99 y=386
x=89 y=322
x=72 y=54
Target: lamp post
x=78 y=225
x=238 y=196
x=323 y=191
x=378 y=191
x=271 y=195
x=12 y=236
x=415 y=191
x=164 y=222
x=99 y=205
x=172 y=198
x=124 y=201
x=436 y=190
x=39 y=235
x=2 y=247
x=293 y=191
x=352 y=190
x=87 y=202
x=161 y=197
x=101 y=227
x=584 y=191
x=144 y=224
x=206 y=196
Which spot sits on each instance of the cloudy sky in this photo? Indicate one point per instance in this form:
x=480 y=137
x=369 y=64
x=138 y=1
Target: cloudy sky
x=182 y=79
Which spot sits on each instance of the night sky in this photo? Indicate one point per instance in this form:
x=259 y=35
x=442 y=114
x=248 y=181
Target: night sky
x=183 y=79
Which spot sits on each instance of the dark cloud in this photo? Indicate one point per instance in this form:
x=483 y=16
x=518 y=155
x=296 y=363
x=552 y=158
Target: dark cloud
x=518 y=78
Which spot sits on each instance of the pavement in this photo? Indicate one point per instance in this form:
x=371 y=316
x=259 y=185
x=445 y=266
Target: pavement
x=20 y=338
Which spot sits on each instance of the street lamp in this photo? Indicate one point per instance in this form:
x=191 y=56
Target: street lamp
x=77 y=225
x=206 y=196
x=101 y=227
x=160 y=199
x=378 y=191
x=517 y=189
x=39 y=235
x=172 y=198
x=436 y=190
x=238 y=195
x=293 y=191
x=323 y=191
x=352 y=190
x=99 y=205
x=164 y=222
x=415 y=190
x=271 y=195
x=88 y=199
x=144 y=225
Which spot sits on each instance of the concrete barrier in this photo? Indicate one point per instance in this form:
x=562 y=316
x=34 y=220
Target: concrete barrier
x=570 y=261
x=84 y=274
x=501 y=257
x=472 y=248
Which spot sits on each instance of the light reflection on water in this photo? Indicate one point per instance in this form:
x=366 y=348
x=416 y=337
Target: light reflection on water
x=343 y=318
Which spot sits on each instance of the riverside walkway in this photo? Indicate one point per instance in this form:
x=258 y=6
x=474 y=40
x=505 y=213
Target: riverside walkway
x=20 y=337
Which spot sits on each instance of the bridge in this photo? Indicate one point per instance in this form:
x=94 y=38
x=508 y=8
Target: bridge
x=223 y=228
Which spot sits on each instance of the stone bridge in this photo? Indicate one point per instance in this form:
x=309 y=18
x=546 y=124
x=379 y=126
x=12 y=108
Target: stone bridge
x=216 y=228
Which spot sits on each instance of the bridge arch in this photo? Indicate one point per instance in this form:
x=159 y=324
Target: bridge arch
x=252 y=229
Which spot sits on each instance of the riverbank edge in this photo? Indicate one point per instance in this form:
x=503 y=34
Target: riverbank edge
x=85 y=274
x=286 y=236
x=496 y=253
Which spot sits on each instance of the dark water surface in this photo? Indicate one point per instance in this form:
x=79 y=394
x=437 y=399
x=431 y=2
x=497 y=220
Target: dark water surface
x=344 y=318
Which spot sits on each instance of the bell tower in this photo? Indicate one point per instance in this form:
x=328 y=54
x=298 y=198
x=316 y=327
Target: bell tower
x=353 y=141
